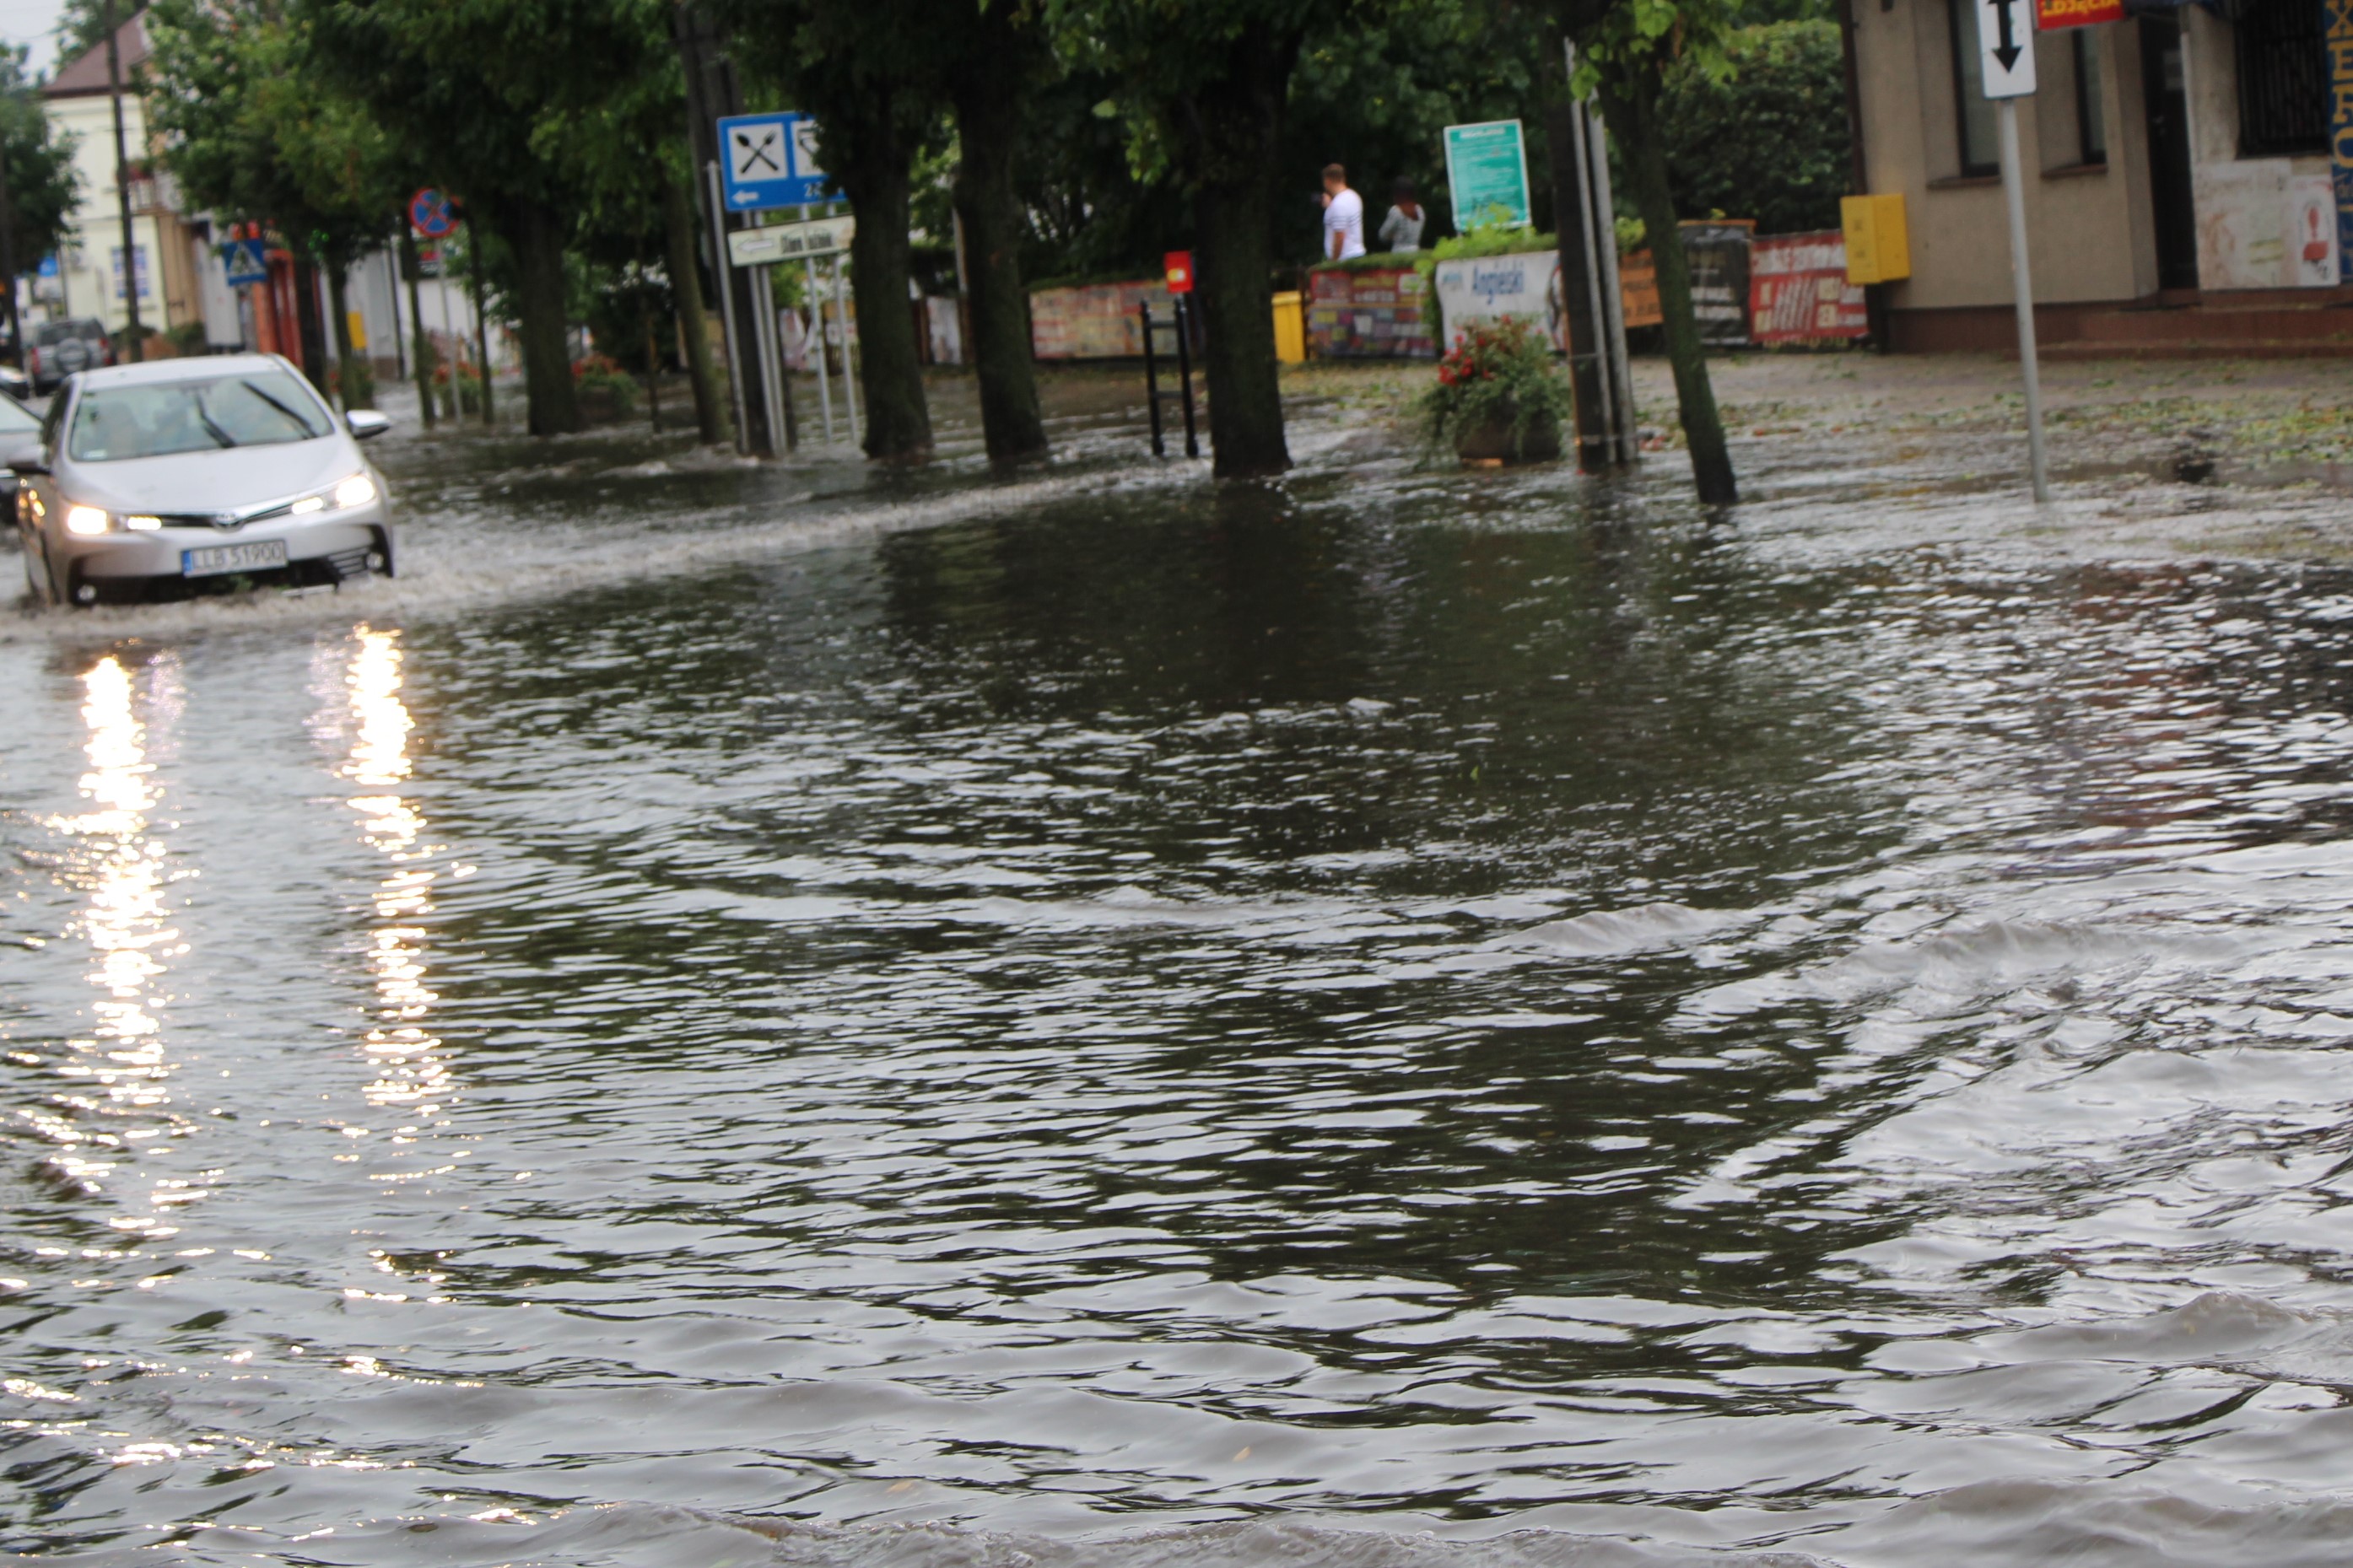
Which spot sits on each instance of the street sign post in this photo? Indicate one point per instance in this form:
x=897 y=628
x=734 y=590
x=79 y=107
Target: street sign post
x=2006 y=54
x=245 y=262
x=769 y=161
x=1487 y=169
x=1176 y=265
x=431 y=216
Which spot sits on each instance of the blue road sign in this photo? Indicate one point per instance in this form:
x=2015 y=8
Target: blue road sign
x=770 y=161
x=245 y=262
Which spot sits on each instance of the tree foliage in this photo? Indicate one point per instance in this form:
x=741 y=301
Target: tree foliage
x=256 y=132
x=43 y=187
x=1769 y=138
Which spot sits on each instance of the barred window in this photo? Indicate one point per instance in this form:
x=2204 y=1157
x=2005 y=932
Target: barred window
x=2283 y=78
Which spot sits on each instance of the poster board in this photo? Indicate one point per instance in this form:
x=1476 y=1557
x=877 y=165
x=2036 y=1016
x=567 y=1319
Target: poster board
x=1487 y=173
x=1798 y=292
x=1371 y=313
x=1094 y=320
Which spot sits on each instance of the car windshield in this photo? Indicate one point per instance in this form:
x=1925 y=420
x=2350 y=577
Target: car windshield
x=15 y=419
x=258 y=408
x=55 y=333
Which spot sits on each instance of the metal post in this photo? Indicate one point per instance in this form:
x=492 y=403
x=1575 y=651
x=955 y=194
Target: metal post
x=722 y=264
x=482 y=321
x=1185 y=370
x=131 y=330
x=1606 y=374
x=817 y=320
x=848 y=360
x=1613 y=296
x=2013 y=190
x=399 y=350
x=1151 y=378
x=764 y=330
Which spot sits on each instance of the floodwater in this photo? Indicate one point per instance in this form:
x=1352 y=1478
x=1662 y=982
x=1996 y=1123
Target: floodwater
x=739 y=1017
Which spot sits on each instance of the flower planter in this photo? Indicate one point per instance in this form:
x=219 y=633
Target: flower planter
x=1491 y=441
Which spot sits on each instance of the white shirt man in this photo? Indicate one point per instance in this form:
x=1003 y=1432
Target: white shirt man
x=1343 y=216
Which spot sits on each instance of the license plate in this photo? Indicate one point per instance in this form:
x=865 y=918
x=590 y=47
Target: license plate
x=259 y=556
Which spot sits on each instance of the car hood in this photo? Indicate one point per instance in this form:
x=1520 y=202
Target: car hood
x=231 y=480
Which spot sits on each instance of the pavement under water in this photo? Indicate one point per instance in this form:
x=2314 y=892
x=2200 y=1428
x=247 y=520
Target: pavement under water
x=787 y=1016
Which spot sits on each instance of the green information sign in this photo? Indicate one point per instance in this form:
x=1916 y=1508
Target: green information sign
x=1488 y=168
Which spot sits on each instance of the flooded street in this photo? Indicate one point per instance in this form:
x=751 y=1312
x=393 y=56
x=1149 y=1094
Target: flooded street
x=740 y=1016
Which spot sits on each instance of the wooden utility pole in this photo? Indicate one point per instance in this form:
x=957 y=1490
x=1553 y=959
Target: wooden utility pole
x=132 y=331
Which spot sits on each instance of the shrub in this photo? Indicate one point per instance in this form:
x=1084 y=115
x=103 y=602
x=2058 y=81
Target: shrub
x=1496 y=372
x=602 y=376
x=1484 y=242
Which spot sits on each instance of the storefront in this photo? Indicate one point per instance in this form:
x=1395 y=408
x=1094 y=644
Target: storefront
x=2179 y=190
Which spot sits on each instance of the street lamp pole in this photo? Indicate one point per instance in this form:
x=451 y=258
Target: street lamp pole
x=132 y=331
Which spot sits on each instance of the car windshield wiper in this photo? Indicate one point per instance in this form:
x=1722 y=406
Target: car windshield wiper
x=212 y=426
x=292 y=418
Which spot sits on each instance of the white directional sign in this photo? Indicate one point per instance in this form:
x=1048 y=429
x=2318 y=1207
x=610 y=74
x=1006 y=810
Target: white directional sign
x=790 y=241
x=2006 y=46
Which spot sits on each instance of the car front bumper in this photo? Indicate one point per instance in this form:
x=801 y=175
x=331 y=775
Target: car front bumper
x=331 y=547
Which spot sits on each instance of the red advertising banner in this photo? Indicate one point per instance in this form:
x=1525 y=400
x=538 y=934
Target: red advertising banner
x=2053 y=15
x=1798 y=291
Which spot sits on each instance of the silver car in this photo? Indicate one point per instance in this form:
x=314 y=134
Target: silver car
x=163 y=478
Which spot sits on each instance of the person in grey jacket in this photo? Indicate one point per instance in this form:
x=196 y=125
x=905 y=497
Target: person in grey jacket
x=1401 y=230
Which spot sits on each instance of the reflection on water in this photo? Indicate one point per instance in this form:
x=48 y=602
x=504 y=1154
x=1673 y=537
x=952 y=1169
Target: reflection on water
x=114 y=1109
x=1213 y=1024
x=411 y=1074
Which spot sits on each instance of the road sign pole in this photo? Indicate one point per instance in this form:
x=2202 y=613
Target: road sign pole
x=2014 y=192
x=849 y=359
x=2020 y=279
x=817 y=319
x=727 y=306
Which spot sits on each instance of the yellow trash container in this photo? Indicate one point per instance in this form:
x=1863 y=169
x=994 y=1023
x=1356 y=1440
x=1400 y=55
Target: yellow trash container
x=1289 y=329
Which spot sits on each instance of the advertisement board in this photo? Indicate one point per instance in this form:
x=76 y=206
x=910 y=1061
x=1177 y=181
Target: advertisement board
x=1370 y=313
x=1798 y=292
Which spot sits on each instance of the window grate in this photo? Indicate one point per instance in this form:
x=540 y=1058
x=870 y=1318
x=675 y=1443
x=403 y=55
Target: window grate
x=2283 y=78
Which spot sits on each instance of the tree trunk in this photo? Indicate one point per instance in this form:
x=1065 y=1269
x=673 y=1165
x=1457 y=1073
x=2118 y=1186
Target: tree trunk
x=898 y=421
x=1630 y=105
x=1231 y=141
x=686 y=287
x=421 y=338
x=354 y=377
x=988 y=127
x=307 y=329
x=534 y=233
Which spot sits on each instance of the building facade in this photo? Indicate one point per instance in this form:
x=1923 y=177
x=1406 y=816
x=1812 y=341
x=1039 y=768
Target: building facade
x=2176 y=170
x=173 y=264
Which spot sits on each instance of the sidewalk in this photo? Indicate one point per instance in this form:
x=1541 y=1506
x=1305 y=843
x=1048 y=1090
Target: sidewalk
x=2259 y=421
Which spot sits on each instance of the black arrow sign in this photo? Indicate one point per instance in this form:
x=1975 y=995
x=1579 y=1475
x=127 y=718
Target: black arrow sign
x=2007 y=51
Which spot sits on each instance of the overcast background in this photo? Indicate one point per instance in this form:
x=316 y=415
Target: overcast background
x=31 y=23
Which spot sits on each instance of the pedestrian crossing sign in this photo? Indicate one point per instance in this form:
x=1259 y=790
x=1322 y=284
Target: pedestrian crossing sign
x=245 y=262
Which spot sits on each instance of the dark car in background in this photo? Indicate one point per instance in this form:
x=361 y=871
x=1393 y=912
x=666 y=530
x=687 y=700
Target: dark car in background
x=59 y=349
x=18 y=424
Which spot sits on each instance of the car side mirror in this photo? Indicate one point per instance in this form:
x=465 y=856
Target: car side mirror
x=366 y=423
x=28 y=460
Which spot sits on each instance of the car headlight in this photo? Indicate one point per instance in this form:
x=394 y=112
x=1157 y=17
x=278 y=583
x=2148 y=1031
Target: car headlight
x=357 y=491
x=87 y=520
